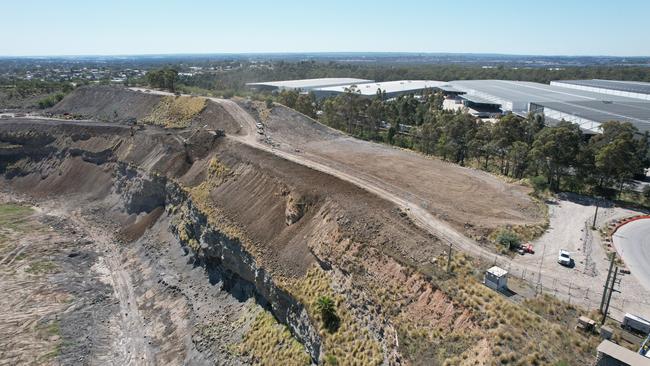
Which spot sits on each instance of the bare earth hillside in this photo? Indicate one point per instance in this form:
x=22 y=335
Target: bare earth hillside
x=208 y=249
x=469 y=199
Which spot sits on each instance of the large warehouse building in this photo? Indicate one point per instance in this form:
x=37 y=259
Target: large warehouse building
x=588 y=103
x=391 y=89
x=305 y=84
x=589 y=109
x=328 y=87
x=631 y=89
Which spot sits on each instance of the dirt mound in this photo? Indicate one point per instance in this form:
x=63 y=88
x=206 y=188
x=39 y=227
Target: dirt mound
x=117 y=104
x=106 y=103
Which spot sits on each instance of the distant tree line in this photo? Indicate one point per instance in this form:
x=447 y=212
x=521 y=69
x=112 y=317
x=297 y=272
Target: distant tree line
x=165 y=78
x=558 y=157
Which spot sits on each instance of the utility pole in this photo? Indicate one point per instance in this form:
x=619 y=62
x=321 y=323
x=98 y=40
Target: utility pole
x=609 y=297
x=449 y=259
x=605 y=288
x=593 y=225
x=539 y=290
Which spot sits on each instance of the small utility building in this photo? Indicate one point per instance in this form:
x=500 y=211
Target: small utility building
x=611 y=354
x=496 y=278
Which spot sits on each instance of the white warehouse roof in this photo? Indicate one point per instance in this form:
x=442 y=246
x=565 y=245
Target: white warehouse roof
x=587 y=108
x=308 y=84
x=399 y=86
x=632 y=89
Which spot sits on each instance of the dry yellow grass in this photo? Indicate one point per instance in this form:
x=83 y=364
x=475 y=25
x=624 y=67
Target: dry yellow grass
x=270 y=343
x=510 y=327
x=175 y=111
x=350 y=344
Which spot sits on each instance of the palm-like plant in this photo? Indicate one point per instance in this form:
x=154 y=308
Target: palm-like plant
x=327 y=308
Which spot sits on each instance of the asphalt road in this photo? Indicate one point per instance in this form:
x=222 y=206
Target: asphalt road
x=632 y=241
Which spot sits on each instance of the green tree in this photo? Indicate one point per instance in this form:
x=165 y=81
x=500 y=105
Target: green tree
x=617 y=154
x=349 y=105
x=375 y=113
x=428 y=136
x=618 y=161
x=518 y=156
x=163 y=78
x=555 y=149
x=482 y=146
x=458 y=130
x=306 y=104
x=288 y=98
x=390 y=135
x=508 y=130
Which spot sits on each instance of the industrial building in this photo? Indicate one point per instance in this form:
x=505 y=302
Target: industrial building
x=588 y=103
x=588 y=109
x=631 y=89
x=305 y=84
x=390 y=89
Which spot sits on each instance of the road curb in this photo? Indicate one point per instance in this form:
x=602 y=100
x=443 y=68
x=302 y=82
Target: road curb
x=617 y=224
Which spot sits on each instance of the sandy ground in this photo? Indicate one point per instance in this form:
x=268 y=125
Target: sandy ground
x=570 y=229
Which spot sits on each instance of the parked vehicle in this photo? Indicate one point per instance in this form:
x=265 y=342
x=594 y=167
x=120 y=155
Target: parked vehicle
x=564 y=258
x=635 y=323
x=525 y=248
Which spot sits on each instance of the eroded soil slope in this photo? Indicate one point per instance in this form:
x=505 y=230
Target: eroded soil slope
x=469 y=199
x=212 y=251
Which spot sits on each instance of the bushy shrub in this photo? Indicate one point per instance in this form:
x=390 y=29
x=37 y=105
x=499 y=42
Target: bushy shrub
x=539 y=183
x=508 y=239
x=50 y=101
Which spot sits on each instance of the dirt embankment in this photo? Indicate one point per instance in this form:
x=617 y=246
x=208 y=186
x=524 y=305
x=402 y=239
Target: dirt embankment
x=472 y=201
x=222 y=235
x=121 y=105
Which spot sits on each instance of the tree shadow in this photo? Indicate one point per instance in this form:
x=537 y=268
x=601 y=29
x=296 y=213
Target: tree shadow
x=332 y=323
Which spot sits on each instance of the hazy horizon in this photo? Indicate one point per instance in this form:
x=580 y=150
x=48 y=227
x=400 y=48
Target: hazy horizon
x=295 y=53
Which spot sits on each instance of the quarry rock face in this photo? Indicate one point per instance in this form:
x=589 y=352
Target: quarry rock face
x=207 y=250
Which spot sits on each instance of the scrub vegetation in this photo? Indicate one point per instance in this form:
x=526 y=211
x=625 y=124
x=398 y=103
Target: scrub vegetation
x=175 y=111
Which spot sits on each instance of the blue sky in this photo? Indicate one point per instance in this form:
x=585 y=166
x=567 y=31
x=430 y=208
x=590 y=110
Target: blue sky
x=553 y=27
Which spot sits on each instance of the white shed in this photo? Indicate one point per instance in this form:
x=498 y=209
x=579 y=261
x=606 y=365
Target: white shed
x=496 y=278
